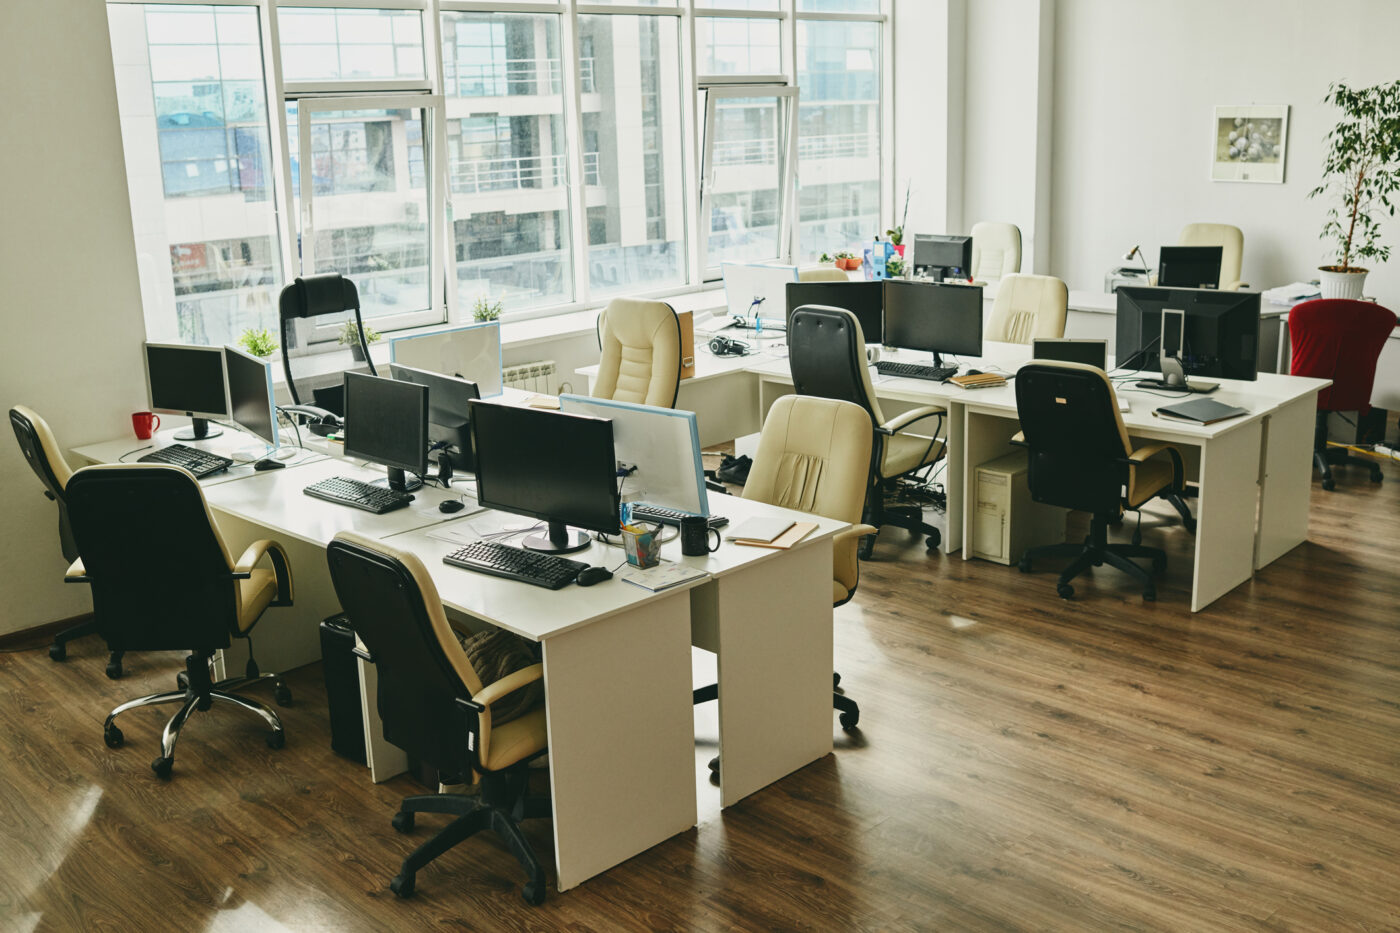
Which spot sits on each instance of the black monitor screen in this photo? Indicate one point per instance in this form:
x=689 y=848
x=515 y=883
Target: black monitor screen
x=386 y=421
x=549 y=465
x=250 y=394
x=863 y=299
x=933 y=317
x=1221 y=336
x=946 y=252
x=1189 y=266
x=449 y=405
x=1071 y=350
x=186 y=380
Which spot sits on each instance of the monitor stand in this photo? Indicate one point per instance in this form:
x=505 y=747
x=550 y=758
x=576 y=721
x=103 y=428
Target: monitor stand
x=560 y=539
x=200 y=429
x=1174 y=378
x=398 y=481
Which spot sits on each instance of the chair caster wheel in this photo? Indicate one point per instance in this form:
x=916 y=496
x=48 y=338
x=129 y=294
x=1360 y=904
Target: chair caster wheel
x=283 y=695
x=1377 y=477
x=1149 y=596
x=835 y=680
x=113 y=737
x=1024 y=565
x=58 y=652
x=934 y=540
x=1329 y=484
x=533 y=892
x=162 y=767
x=276 y=739
x=713 y=764
x=402 y=885
x=402 y=821
x=866 y=548
x=849 y=720
x=1065 y=590
x=114 y=670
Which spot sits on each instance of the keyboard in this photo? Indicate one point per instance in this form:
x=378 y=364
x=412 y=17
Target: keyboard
x=515 y=563
x=359 y=495
x=199 y=462
x=915 y=371
x=655 y=514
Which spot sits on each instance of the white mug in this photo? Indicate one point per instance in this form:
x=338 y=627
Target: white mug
x=872 y=353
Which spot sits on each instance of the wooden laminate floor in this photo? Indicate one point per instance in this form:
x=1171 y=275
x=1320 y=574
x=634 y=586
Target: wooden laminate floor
x=1022 y=764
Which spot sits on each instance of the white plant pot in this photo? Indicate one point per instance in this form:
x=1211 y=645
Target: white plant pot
x=1342 y=284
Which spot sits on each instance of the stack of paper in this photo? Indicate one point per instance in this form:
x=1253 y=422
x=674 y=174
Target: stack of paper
x=1291 y=294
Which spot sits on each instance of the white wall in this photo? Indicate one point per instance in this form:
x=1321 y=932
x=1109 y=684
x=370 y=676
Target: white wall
x=72 y=306
x=928 y=105
x=1134 y=87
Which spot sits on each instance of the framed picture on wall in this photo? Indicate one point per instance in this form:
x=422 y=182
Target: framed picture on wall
x=1249 y=143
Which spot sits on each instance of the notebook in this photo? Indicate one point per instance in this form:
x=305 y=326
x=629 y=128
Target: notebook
x=663 y=576
x=760 y=530
x=979 y=381
x=787 y=539
x=1200 y=411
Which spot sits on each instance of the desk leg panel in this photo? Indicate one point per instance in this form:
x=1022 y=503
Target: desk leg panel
x=621 y=736
x=1226 y=514
x=1286 y=485
x=774 y=624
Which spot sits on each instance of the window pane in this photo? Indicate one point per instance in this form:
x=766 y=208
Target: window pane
x=737 y=4
x=838 y=142
x=507 y=158
x=738 y=46
x=369 y=203
x=745 y=197
x=838 y=6
x=334 y=44
x=668 y=3
x=632 y=154
x=193 y=110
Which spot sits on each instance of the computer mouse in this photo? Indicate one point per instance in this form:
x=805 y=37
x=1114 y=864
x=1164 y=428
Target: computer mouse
x=973 y=372
x=269 y=465
x=591 y=575
x=449 y=506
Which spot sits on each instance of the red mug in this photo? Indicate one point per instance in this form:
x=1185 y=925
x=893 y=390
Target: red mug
x=144 y=422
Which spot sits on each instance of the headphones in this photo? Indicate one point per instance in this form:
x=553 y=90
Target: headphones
x=728 y=346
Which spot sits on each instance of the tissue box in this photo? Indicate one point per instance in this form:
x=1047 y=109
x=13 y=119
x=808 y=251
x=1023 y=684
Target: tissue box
x=642 y=545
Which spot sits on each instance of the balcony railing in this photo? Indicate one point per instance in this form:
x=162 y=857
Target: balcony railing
x=764 y=151
x=484 y=175
x=519 y=76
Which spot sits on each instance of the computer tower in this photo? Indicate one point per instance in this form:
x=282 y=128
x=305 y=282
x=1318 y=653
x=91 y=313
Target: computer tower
x=341 y=670
x=1005 y=520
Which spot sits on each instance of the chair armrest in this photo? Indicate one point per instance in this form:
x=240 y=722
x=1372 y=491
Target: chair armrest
x=76 y=573
x=1019 y=439
x=509 y=684
x=900 y=422
x=1234 y=286
x=1145 y=452
x=271 y=549
x=845 y=564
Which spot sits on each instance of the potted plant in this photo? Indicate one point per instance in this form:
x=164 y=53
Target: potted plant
x=824 y=258
x=894 y=267
x=1361 y=175
x=847 y=260
x=349 y=337
x=258 y=341
x=896 y=234
x=484 y=309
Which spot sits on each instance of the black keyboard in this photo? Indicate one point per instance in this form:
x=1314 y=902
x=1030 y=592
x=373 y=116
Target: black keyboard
x=515 y=563
x=915 y=371
x=655 y=514
x=359 y=495
x=199 y=462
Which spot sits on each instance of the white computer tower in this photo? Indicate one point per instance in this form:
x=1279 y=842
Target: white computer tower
x=1005 y=520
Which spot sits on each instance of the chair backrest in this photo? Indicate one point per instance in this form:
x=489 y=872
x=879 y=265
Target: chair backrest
x=813 y=456
x=640 y=344
x=996 y=251
x=315 y=296
x=826 y=353
x=1339 y=339
x=1078 y=444
x=393 y=606
x=1027 y=307
x=161 y=576
x=1231 y=241
x=822 y=274
x=45 y=458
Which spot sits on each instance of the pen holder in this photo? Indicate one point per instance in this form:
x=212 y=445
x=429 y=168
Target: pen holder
x=642 y=544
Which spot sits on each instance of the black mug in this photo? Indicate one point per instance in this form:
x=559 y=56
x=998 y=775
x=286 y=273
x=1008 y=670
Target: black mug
x=695 y=536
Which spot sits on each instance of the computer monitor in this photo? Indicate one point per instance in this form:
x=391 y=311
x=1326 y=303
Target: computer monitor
x=938 y=256
x=470 y=352
x=188 y=380
x=251 y=402
x=1071 y=350
x=662 y=443
x=449 y=412
x=866 y=300
x=756 y=289
x=933 y=317
x=1220 y=336
x=386 y=421
x=1189 y=266
x=555 y=466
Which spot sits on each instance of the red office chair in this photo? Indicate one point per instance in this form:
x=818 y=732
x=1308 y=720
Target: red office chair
x=1339 y=339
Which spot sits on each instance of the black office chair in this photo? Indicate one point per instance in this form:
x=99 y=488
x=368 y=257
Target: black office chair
x=315 y=296
x=826 y=351
x=1081 y=458
x=45 y=457
x=434 y=707
x=162 y=579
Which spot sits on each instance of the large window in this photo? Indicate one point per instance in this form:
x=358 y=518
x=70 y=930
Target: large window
x=545 y=154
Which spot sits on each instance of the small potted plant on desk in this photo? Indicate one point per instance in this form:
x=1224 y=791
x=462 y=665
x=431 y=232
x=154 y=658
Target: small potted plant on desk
x=1361 y=175
x=349 y=337
x=894 y=267
x=258 y=341
x=896 y=237
x=847 y=260
x=484 y=309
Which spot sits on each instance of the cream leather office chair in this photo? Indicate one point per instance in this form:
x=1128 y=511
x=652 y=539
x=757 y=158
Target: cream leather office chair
x=996 y=251
x=822 y=274
x=433 y=705
x=1027 y=307
x=640 y=343
x=1230 y=239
